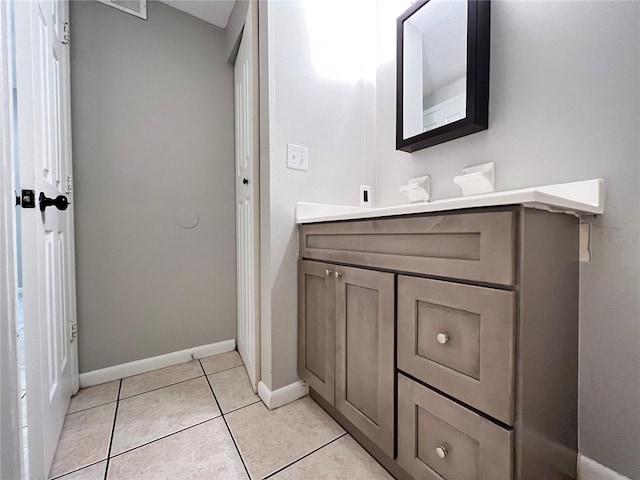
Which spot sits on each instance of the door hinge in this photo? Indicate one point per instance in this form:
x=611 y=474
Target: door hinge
x=69 y=183
x=73 y=331
x=66 y=33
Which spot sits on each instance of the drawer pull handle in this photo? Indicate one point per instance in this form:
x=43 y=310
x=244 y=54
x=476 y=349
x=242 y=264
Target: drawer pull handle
x=442 y=338
x=441 y=451
x=328 y=272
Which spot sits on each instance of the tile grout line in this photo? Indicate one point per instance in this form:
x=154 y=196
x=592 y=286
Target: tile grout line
x=177 y=431
x=164 y=437
x=113 y=430
x=226 y=424
x=89 y=408
x=170 y=384
x=159 y=388
x=243 y=406
x=220 y=371
x=303 y=457
x=77 y=470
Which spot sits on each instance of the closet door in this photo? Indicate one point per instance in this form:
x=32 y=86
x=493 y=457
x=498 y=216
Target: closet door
x=316 y=327
x=365 y=306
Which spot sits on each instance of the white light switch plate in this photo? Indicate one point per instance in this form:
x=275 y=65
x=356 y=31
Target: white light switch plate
x=297 y=157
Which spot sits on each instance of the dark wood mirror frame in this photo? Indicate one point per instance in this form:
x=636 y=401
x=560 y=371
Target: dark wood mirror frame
x=477 y=113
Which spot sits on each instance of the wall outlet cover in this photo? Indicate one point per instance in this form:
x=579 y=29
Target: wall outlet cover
x=297 y=157
x=365 y=196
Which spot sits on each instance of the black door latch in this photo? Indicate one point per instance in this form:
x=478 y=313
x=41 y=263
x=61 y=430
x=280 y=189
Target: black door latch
x=60 y=202
x=27 y=199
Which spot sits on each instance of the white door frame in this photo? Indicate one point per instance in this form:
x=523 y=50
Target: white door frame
x=10 y=437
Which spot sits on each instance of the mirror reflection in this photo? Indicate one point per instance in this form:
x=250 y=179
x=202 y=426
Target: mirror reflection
x=435 y=66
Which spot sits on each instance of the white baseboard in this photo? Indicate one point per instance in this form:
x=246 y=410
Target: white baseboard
x=591 y=470
x=104 y=375
x=282 y=396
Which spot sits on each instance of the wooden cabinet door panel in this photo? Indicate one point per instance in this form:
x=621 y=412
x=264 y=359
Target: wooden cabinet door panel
x=316 y=333
x=365 y=306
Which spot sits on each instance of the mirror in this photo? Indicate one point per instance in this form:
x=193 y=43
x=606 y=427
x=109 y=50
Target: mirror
x=443 y=72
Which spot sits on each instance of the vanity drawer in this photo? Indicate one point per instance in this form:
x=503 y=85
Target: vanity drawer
x=439 y=439
x=473 y=246
x=459 y=339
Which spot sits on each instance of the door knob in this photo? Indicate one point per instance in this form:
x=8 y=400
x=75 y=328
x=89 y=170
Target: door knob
x=441 y=451
x=245 y=181
x=442 y=338
x=60 y=202
x=337 y=274
x=327 y=272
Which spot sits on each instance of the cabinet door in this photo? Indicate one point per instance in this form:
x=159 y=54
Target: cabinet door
x=365 y=306
x=316 y=333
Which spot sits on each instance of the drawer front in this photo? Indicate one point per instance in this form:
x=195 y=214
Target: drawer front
x=474 y=246
x=459 y=339
x=437 y=438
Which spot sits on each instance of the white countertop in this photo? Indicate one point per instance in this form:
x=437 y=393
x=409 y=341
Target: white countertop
x=577 y=198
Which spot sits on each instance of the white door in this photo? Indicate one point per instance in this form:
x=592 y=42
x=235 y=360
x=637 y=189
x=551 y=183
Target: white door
x=246 y=211
x=44 y=145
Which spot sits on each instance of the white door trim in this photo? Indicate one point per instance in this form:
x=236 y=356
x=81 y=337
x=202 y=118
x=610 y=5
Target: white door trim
x=10 y=438
x=248 y=305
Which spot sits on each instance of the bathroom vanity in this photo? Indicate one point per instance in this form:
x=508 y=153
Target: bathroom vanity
x=446 y=341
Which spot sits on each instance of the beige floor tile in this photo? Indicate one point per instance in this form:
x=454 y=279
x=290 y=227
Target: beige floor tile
x=163 y=377
x=343 y=459
x=233 y=389
x=158 y=413
x=94 y=472
x=84 y=439
x=205 y=451
x=217 y=363
x=270 y=440
x=94 y=396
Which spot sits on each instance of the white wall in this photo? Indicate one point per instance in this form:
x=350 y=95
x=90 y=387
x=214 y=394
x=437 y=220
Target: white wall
x=326 y=106
x=564 y=106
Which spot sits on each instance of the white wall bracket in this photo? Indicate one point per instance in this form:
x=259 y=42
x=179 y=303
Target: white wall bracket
x=418 y=189
x=477 y=179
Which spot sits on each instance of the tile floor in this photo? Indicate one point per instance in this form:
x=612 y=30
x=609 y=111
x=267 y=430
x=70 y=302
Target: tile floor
x=197 y=420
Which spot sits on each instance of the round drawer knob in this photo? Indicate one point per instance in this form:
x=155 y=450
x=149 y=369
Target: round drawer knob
x=442 y=338
x=441 y=451
x=328 y=272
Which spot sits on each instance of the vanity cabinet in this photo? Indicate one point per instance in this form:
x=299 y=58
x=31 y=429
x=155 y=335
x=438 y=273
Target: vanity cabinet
x=346 y=344
x=462 y=328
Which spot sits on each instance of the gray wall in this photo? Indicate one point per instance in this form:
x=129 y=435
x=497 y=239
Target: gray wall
x=152 y=106
x=564 y=106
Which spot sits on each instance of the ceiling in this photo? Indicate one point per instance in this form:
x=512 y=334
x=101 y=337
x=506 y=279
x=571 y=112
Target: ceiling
x=212 y=11
x=444 y=33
